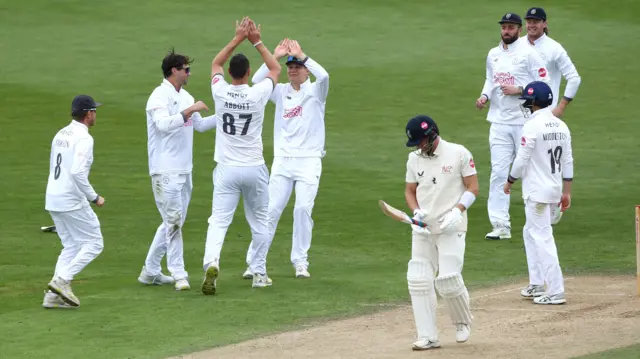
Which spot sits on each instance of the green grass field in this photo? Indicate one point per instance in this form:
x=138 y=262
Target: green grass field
x=388 y=61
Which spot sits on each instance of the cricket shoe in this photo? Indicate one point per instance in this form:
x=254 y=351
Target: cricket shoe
x=550 y=299
x=261 y=281
x=209 y=282
x=425 y=344
x=62 y=288
x=532 y=291
x=182 y=284
x=463 y=331
x=499 y=233
x=302 y=272
x=53 y=301
x=248 y=274
x=160 y=279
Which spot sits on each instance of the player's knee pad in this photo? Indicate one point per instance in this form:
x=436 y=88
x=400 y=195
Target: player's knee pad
x=455 y=296
x=450 y=285
x=419 y=277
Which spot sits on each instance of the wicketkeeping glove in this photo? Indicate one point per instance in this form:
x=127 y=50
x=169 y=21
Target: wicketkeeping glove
x=451 y=220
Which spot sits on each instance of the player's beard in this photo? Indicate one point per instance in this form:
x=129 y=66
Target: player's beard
x=508 y=40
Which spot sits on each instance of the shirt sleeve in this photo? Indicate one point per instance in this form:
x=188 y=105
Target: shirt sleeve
x=203 y=124
x=468 y=166
x=81 y=166
x=159 y=112
x=537 y=67
x=217 y=82
x=527 y=144
x=488 y=82
x=568 y=70
x=567 y=161
x=410 y=177
x=322 y=79
x=265 y=89
x=260 y=75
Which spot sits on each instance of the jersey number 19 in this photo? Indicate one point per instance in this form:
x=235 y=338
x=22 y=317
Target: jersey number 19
x=554 y=158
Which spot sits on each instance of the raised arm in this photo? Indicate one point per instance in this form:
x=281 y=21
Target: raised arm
x=279 y=52
x=224 y=54
x=270 y=61
x=321 y=75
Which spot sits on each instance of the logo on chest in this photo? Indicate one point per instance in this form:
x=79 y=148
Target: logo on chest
x=447 y=169
x=292 y=112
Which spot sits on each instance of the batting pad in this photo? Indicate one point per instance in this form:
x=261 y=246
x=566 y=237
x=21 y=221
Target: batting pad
x=455 y=297
x=423 y=299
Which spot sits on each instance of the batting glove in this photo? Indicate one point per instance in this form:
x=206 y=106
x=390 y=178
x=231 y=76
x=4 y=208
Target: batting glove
x=419 y=215
x=451 y=220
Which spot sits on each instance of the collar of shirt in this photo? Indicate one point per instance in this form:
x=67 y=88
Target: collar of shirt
x=166 y=82
x=79 y=125
x=512 y=46
x=541 y=112
x=539 y=40
x=303 y=86
x=441 y=143
x=239 y=87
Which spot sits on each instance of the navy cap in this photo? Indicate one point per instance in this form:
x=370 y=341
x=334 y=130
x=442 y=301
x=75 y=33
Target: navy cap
x=83 y=103
x=294 y=60
x=510 y=18
x=420 y=127
x=536 y=13
x=539 y=92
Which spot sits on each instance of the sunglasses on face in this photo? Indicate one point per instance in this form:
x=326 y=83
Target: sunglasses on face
x=186 y=69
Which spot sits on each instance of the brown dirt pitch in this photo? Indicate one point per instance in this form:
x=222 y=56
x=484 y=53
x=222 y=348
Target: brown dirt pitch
x=601 y=313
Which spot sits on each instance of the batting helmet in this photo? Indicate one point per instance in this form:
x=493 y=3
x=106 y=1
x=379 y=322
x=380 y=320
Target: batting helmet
x=420 y=127
x=538 y=93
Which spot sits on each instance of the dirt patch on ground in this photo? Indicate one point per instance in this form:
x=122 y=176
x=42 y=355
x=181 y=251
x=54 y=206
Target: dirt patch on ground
x=601 y=313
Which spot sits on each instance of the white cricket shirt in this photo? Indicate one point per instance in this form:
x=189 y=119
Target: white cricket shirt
x=68 y=186
x=299 y=129
x=518 y=65
x=240 y=111
x=559 y=65
x=169 y=138
x=545 y=157
x=440 y=181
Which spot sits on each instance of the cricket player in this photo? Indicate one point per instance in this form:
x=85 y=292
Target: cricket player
x=510 y=66
x=557 y=60
x=172 y=116
x=441 y=184
x=240 y=165
x=545 y=164
x=299 y=137
x=68 y=197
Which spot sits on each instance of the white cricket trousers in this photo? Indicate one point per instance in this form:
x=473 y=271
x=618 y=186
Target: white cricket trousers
x=81 y=237
x=229 y=182
x=504 y=141
x=301 y=174
x=540 y=247
x=444 y=252
x=172 y=193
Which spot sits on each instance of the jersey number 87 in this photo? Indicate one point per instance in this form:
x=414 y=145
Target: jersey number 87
x=229 y=127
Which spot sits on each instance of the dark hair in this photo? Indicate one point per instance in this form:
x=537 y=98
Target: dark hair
x=238 y=66
x=79 y=116
x=546 y=30
x=174 y=60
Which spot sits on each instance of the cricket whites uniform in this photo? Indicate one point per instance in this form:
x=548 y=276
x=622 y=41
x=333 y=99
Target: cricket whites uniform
x=544 y=160
x=170 y=150
x=240 y=168
x=517 y=65
x=68 y=198
x=299 y=139
x=440 y=188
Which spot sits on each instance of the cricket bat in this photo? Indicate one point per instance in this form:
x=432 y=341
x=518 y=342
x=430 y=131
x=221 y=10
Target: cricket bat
x=398 y=215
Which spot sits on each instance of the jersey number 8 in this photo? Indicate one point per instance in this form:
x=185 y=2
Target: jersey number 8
x=229 y=124
x=56 y=170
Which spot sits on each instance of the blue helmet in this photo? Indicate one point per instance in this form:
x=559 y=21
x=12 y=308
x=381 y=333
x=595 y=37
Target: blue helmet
x=538 y=93
x=419 y=127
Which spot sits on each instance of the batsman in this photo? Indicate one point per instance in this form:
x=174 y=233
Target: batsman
x=441 y=184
